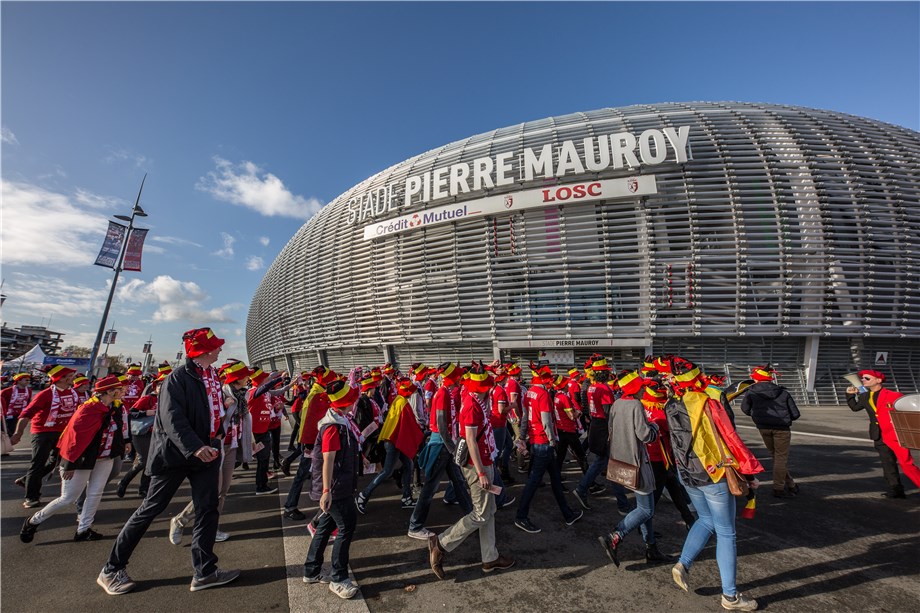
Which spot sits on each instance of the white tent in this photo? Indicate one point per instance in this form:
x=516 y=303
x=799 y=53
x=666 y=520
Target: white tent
x=35 y=355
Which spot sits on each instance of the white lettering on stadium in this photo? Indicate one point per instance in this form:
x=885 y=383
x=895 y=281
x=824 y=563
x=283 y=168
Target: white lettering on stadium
x=622 y=150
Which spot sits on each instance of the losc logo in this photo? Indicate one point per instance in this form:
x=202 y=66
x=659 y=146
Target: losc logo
x=509 y=202
x=632 y=184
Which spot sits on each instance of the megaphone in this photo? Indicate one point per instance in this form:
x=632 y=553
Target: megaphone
x=853 y=379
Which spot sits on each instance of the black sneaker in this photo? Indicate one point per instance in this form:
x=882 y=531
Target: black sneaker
x=508 y=502
x=610 y=543
x=596 y=488
x=218 y=577
x=527 y=526
x=28 y=531
x=578 y=515
x=894 y=494
x=87 y=535
x=582 y=500
x=267 y=490
x=31 y=503
x=122 y=490
x=361 y=504
x=294 y=514
x=408 y=503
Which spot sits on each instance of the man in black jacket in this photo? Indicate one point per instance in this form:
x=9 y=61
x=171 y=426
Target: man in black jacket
x=773 y=410
x=186 y=441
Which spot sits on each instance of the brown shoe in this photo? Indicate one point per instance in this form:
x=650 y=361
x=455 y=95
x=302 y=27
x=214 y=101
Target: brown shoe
x=499 y=563
x=436 y=556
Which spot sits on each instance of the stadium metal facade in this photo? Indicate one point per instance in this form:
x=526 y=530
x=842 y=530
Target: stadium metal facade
x=733 y=234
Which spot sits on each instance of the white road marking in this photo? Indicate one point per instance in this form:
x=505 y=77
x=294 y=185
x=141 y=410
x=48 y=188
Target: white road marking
x=834 y=436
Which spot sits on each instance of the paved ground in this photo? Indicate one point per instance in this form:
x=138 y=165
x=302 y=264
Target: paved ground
x=838 y=546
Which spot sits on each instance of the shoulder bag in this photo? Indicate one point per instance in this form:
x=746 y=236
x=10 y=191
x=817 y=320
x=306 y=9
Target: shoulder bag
x=624 y=473
x=737 y=484
x=142 y=426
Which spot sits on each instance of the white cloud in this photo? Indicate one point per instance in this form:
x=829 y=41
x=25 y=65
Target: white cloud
x=95 y=201
x=227 y=251
x=248 y=185
x=7 y=136
x=254 y=262
x=174 y=240
x=124 y=155
x=264 y=240
x=176 y=300
x=44 y=227
x=28 y=294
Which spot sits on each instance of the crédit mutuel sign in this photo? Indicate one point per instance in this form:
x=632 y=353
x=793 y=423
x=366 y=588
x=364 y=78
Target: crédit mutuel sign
x=619 y=150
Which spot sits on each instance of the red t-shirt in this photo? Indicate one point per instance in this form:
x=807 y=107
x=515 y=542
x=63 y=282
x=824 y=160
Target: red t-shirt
x=537 y=404
x=443 y=401
x=430 y=388
x=146 y=403
x=48 y=415
x=331 y=440
x=655 y=449
x=472 y=414
x=563 y=421
x=498 y=394
x=513 y=387
x=133 y=390
x=599 y=394
x=14 y=408
x=574 y=393
x=261 y=410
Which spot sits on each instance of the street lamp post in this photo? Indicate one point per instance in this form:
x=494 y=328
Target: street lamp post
x=136 y=212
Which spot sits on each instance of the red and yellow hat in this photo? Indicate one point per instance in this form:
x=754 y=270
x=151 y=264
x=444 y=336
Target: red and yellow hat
x=163 y=369
x=574 y=373
x=648 y=365
x=600 y=364
x=58 y=372
x=231 y=372
x=388 y=369
x=477 y=379
x=405 y=387
x=715 y=380
x=201 y=341
x=540 y=374
x=762 y=373
x=134 y=370
x=686 y=374
x=323 y=376
x=663 y=364
x=20 y=376
x=368 y=384
x=450 y=372
x=80 y=381
x=630 y=382
x=562 y=381
x=654 y=393
x=376 y=374
x=512 y=369
x=258 y=377
x=109 y=383
x=341 y=394
x=420 y=371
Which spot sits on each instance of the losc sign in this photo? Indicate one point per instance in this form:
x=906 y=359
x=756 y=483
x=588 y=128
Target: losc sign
x=532 y=198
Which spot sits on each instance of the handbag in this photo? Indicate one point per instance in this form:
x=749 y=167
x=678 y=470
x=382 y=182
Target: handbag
x=624 y=473
x=6 y=446
x=141 y=426
x=462 y=452
x=737 y=484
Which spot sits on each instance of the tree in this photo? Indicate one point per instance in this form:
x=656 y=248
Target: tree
x=76 y=351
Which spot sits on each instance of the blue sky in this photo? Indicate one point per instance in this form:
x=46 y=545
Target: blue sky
x=249 y=117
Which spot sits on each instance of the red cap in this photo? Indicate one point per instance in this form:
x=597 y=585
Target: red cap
x=873 y=373
x=108 y=383
x=200 y=341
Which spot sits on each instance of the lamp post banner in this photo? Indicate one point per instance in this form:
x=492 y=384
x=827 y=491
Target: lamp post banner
x=569 y=194
x=111 y=247
x=134 y=250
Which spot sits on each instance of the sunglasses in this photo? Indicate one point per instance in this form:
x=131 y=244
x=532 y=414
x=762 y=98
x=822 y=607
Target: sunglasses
x=867 y=378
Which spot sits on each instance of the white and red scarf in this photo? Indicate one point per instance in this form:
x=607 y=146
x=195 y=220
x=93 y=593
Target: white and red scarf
x=62 y=406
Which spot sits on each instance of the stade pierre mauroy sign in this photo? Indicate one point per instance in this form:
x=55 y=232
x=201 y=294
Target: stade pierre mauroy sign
x=620 y=150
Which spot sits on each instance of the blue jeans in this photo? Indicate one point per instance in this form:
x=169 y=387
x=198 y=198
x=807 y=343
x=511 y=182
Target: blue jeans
x=715 y=507
x=544 y=459
x=641 y=516
x=503 y=445
x=389 y=465
x=433 y=481
x=303 y=474
x=598 y=466
x=344 y=516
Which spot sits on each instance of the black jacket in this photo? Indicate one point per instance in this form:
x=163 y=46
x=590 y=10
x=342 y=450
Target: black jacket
x=770 y=406
x=860 y=402
x=183 y=423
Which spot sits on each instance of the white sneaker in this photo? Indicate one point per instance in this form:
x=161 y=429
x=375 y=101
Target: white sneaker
x=344 y=589
x=421 y=534
x=175 y=531
x=221 y=536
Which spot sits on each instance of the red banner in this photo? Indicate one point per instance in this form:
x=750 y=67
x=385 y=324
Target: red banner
x=134 y=250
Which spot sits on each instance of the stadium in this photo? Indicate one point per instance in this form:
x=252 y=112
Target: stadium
x=733 y=234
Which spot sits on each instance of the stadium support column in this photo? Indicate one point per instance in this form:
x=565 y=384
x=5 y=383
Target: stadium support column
x=496 y=352
x=388 y=354
x=812 y=343
x=321 y=357
x=290 y=363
